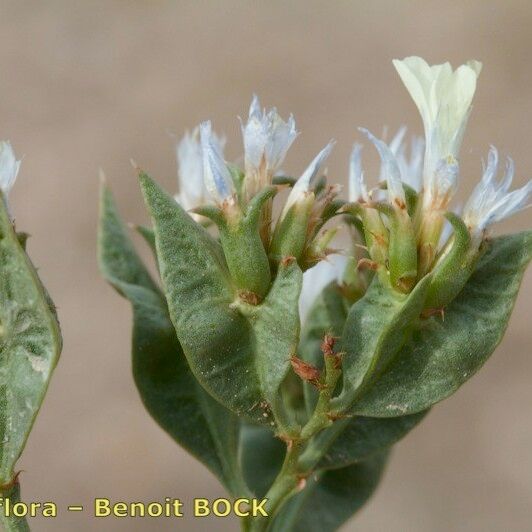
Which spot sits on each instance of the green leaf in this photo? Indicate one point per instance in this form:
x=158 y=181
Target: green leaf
x=442 y=355
x=214 y=335
x=165 y=383
x=30 y=343
x=276 y=335
x=328 y=502
x=229 y=345
x=262 y=455
x=376 y=328
x=352 y=439
x=364 y=436
x=147 y=234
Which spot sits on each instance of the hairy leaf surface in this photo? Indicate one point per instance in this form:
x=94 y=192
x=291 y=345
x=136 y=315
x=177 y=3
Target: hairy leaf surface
x=30 y=343
x=229 y=349
x=328 y=502
x=443 y=354
x=377 y=326
x=166 y=385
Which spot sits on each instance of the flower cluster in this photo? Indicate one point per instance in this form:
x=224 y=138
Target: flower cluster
x=400 y=219
x=333 y=348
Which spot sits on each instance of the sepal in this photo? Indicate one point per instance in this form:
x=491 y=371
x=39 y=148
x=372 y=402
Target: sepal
x=242 y=245
x=244 y=249
x=454 y=269
x=290 y=235
x=402 y=248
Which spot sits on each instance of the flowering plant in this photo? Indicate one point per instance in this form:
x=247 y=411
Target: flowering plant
x=30 y=342
x=300 y=411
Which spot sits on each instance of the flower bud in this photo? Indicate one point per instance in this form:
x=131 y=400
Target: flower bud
x=295 y=226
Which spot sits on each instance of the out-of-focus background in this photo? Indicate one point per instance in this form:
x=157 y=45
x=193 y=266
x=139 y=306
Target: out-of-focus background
x=85 y=85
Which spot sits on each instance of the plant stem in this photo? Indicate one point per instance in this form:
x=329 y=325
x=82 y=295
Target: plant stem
x=317 y=448
x=291 y=473
x=11 y=523
x=283 y=486
x=320 y=418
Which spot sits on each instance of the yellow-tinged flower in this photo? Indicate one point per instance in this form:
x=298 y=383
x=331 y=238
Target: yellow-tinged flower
x=443 y=97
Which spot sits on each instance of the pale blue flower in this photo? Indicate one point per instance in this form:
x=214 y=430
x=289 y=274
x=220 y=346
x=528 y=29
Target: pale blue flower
x=307 y=180
x=357 y=186
x=390 y=170
x=410 y=164
x=267 y=139
x=9 y=167
x=441 y=189
x=491 y=201
x=192 y=191
x=216 y=176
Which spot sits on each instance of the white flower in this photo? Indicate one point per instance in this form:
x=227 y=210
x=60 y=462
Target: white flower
x=439 y=190
x=490 y=201
x=216 y=176
x=390 y=170
x=443 y=98
x=192 y=191
x=317 y=278
x=357 y=187
x=305 y=183
x=9 y=167
x=267 y=138
x=410 y=164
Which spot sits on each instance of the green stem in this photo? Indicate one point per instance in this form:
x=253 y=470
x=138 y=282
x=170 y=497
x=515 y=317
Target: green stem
x=11 y=523
x=319 y=445
x=281 y=489
x=291 y=474
x=320 y=419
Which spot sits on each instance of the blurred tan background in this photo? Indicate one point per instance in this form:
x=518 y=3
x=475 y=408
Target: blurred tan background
x=85 y=84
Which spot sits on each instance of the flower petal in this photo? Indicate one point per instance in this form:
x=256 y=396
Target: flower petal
x=217 y=178
x=9 y=167
x=357 y=188
x=391 y=171
x=490 y=201
x=306 y=181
